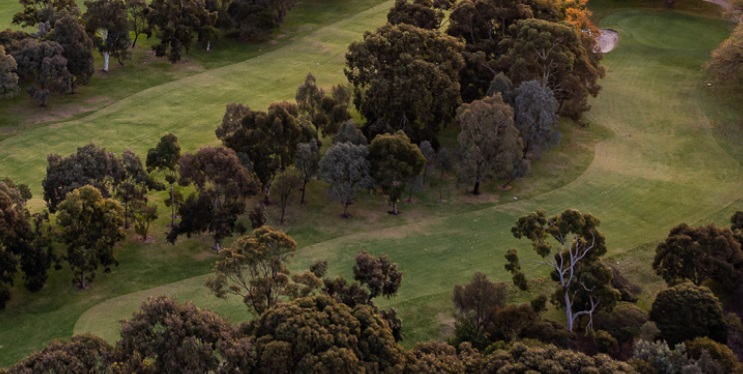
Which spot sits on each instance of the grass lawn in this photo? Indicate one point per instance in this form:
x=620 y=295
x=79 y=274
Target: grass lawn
x=660 y=150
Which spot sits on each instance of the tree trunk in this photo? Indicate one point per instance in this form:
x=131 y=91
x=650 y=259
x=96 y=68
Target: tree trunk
x=217 y=247
x=136 y=36
x=304 y=187
x=172 y=206
x=126 y=216
x=394 y=208
x=283 y=212
x=568 y=310
x=345 y=209
x=106 y=58
x=208 y=45
x=82 y=281
x=476 y=190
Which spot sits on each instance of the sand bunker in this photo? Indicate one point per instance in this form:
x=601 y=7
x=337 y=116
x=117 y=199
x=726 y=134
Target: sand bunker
x=608 y=40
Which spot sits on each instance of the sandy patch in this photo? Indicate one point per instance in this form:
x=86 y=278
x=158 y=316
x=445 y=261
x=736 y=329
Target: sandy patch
x=608 y=39
x=724 y=4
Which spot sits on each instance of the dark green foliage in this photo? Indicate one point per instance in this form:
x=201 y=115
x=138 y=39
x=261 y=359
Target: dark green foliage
x=8 y=76
x=514 y=267
x=535 y=115
x=132 y=191
x=624 y=322
x=394 y=162
x=107 y=23
x=698 y=254
x=307 y=162
x=349 y=133
x=309 y=100
x=520 y=358
x=77 y=49
x=255 y=19
x=490 y=142
x=44 y=12
x=167 y=337
x=685 y=311
x=476 y=305
x=90 y=226
x=137 y=11
x=304 y=336
x=82 y=354
x=284 y=184
x=405 y=78
x=164 y=157
x=583 y=281
x=555 y=55
x=630 y=292
x=42 y=65
x=175 y=22
x=268 y=139
x=502 y=85
x=379 y=274
x=222 y=185
x=89 y=165
x=419 y=13
x=345 y=168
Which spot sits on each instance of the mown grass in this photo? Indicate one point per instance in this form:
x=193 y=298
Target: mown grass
x=657 y=162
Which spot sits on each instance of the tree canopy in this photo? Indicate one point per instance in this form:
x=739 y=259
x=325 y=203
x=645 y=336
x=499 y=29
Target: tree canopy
x=685 y=311
x=8 y=76
x=107 y=23
x=176 y=23
x=394 y=162
x=345 y=168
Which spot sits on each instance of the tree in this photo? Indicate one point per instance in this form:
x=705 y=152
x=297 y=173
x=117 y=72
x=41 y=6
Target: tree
x=89 y=165
x=490 y=142
x=143 y=214
x=285 y=183
x=309 y=100
x=405 y=78
x=304 y=336
x=255 y=269
x=378 y=274
x=419 y=13
x=583 y=282
x=164 y=157
x=132 y=190
x=82 y=354
x=519 y=358
x=535 y=115
x=90 y=226
x=476 y=304
x=268 y=139
x=335 y=108
x=726 y=63
x=8 y=76
x=222 y=185
x=348 y=132
x=137 y=11
x=307 y=162
x=434 y=357
x=175 y=23
x=44 y=13
x=164 y=336
x=77 y=49
x=345 y=167
x=44 y=67
x=107 y=24
x=685 y=311
x=394 y=162
x=698 y=254
x=555 y=55
x=256 y=19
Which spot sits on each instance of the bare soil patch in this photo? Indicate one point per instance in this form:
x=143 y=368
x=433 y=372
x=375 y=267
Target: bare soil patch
x=608 y=39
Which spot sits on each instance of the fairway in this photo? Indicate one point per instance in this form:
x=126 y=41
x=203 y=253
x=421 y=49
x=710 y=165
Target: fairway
x=658 y=163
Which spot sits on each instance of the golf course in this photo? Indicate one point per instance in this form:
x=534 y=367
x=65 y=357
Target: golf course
x=661 y=145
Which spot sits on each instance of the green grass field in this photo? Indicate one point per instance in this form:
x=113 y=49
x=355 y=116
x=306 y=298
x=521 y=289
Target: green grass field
x=661 y=148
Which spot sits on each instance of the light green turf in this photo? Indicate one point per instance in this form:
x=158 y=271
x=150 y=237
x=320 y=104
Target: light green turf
x=662 y=166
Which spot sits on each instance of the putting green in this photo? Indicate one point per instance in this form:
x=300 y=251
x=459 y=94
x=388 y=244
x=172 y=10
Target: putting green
x=662 y=166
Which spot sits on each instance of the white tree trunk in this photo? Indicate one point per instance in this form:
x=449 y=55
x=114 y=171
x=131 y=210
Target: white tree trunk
x=208 y=45
x=105 y=61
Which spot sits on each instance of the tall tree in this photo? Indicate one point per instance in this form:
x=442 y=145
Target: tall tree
x=698 y=254
x=89 y=165
x=222 y=185
x=255 y=19
x=345 y=168
x=43 y=66
x=255 y=269
x=44 y=13
x=268 y=139
x=535 y=115
x=490 y=143
x=137 y=11
x=77 y=49
x=309 y=99
x=164 y=157
x=107 y=23
x=307 y=162
x=175 y=23
x=555 y=55
x=419 y=13
x=405 y=78
x=286 y=182
x=583 y=282
x=90 y=226
x=8 y=76
x=394 y=162
x=132 y=191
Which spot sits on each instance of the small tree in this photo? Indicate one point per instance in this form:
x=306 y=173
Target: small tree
x=164 y=157
x=394 y=162
x=307 y=162
x=583 y=282
x=349 y=133
x=43 y=66
x=685 y=311
x=345 y=168
x=476 y=304
x=77 y=49
x=144 y=214
x=535 y=115
x=309 y=99
x=44 y=13
x=285 y=184
x=82 y=354
x=490 y=143
x=90 y=226
x=107 y=23
x=175 y=23
x=137 y=14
